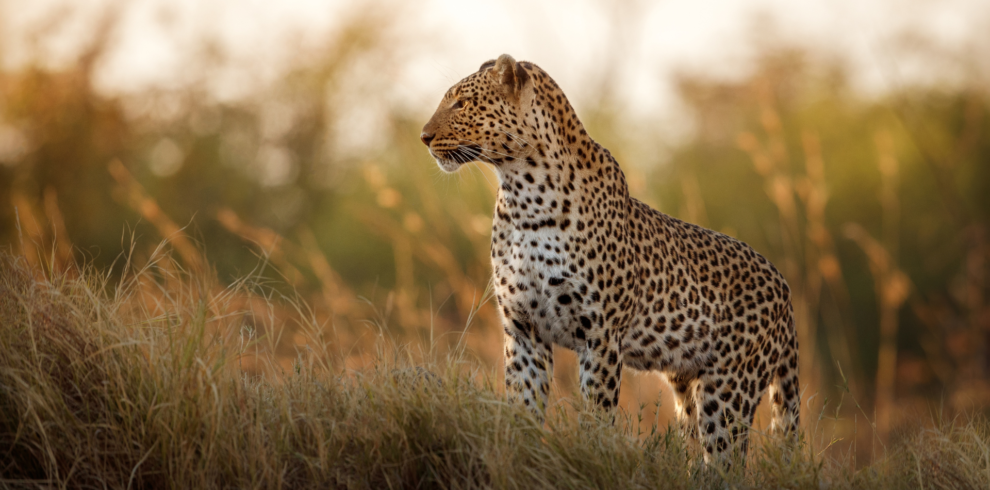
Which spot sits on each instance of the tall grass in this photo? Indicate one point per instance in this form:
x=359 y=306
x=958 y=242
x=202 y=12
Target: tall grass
x=143 y=384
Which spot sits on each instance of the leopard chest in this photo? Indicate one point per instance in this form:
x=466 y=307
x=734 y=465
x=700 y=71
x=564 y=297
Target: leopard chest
x=536 y=279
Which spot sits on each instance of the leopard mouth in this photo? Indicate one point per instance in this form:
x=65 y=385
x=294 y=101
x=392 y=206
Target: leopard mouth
x=450 y=160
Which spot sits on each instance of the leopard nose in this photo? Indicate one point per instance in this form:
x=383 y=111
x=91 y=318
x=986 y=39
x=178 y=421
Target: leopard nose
x=427 y=137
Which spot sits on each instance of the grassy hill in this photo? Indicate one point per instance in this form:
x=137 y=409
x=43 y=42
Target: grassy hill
x=167 y=380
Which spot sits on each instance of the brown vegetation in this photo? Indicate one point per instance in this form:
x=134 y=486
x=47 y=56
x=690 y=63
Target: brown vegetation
x=142 y=384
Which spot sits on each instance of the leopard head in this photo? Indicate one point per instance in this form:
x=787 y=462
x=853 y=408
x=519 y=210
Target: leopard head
x=481 y=117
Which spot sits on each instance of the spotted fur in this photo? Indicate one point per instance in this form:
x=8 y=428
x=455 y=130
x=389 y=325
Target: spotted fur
x=579 y=263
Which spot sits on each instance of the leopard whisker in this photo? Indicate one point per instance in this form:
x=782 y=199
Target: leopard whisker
x=518 y=139
x=469 y=153
x=483 y=149
x=475 y=168
x=496 y=152
x=481 y=153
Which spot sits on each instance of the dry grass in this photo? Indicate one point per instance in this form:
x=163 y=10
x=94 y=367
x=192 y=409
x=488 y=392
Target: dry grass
x=142 y=384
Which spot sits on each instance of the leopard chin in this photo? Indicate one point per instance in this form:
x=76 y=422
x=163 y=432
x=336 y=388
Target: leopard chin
x=446 y=164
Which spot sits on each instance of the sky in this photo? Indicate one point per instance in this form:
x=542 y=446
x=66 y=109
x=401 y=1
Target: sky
x=638 y=44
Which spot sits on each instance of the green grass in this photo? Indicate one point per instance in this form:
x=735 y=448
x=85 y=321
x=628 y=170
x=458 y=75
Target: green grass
x=143 y=384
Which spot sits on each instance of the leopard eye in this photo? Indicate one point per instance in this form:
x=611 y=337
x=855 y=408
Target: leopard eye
x=458 y=104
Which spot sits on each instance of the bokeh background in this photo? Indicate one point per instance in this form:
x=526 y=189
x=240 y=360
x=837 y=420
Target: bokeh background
x=849 y=142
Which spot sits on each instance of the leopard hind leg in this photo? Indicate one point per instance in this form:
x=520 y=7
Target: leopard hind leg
x=685 y=389
x=785 y=396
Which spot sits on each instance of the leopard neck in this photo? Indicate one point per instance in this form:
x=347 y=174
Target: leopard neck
x=563 y=169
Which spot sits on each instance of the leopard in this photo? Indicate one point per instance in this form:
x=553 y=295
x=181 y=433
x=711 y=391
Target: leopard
x=579 y=264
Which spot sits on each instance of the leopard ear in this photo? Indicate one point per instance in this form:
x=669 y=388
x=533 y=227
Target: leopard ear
x=509 y=74
x=486 y=65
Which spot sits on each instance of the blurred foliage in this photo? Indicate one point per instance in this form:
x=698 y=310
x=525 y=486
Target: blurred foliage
x=876 y=209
